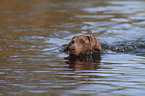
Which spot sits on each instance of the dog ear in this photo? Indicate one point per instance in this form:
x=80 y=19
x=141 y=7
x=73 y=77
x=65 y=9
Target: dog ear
x=94 y=43
x=69 y=44
x=97 y=45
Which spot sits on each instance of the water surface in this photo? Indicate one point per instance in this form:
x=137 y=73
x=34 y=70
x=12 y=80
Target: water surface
x=32 y=32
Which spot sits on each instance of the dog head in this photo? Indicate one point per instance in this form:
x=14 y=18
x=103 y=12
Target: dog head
x=81 y=44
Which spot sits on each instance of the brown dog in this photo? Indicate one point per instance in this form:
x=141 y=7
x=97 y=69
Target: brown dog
x=82 y=44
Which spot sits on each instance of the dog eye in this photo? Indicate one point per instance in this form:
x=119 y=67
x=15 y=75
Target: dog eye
x=82 y=41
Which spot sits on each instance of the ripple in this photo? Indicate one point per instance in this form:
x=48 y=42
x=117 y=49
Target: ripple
x=95 y=16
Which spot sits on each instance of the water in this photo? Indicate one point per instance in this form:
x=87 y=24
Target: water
x=32 y=32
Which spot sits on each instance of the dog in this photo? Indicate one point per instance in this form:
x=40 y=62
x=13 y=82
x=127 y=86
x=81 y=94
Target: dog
x=82 y=44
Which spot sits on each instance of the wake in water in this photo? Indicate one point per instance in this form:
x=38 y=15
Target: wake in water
x=129 y=46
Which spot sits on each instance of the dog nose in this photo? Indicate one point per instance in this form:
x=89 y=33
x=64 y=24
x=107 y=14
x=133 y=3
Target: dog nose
x=72 y=48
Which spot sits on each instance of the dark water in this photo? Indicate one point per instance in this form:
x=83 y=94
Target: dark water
x=32 y=32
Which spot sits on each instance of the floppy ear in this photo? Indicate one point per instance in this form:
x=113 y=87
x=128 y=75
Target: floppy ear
x=94 y=43
x=69 y=44
x=97 y=45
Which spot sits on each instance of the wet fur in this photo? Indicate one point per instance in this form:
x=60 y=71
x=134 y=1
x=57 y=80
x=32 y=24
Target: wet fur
x=81 y=44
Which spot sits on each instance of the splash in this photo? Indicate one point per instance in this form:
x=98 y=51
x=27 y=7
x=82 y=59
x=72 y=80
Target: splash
x=136 y=47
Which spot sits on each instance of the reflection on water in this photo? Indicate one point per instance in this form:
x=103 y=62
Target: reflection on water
x=32 y=32
x=85 y=62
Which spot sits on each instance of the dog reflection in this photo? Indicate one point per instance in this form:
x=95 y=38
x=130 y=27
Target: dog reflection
x=90 y=62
